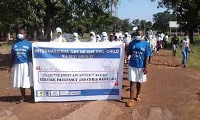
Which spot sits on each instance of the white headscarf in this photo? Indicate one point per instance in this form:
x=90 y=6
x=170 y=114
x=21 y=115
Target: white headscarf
x=75 y=37
x=92 y=38
x=98 y=38
x=104 y=37
x=58 y=38
x=127 y=39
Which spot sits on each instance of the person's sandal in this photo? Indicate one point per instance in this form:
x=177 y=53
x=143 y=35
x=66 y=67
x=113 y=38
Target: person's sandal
x=138 y=98
x=130 y=103
x=20 y=101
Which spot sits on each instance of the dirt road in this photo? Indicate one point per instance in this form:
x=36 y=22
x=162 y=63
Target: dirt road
x=171 y=92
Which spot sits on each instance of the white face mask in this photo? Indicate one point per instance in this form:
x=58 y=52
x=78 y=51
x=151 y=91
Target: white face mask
x=20 y=36
x=103 y=38
x=138 y=37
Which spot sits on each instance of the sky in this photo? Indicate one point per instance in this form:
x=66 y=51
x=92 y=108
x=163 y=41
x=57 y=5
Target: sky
x=138 y=9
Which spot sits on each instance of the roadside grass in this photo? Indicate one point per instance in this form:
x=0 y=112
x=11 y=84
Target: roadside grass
x=5 y=48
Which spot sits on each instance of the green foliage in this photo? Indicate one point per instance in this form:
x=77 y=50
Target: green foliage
x=186 y=12
x=161 y=21
x=71 y=15
x=21 y=13
x=143 y=24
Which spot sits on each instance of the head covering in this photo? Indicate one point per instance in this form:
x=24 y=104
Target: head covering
x=75 y=37
x=116 y=36
x=104 y=37
x=58 y=29
x=98 y=38
x=92 y=37
x=121 y=36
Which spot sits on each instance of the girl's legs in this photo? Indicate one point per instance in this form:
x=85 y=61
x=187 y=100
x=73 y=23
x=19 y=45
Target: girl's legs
x=32 y=93
x=184 y=58
x=138 y=86
x=132 y=90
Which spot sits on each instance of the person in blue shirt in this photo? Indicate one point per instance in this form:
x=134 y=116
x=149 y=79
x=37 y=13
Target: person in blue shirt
x=21 y=59
x=139 y=50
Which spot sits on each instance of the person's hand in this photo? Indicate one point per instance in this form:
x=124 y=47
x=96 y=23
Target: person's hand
x=145 y=71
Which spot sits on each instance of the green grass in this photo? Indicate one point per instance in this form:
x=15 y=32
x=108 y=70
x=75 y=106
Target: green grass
x=193 y=58
x=5 y=48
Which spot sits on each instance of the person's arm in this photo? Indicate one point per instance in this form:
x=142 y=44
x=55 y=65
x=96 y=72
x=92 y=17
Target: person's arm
x=128 y=51
x=172 y=41
x=145 y=71
x=63 y=39
x=190 y=47
x=178 y=41
x=147 y=55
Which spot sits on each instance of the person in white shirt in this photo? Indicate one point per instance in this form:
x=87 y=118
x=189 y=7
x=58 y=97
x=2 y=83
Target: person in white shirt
x=159 y=43
x=186 y=47
x=75 y=37
x=127 y=40
x=92 y=37
x=58 y=36
x=165 y=40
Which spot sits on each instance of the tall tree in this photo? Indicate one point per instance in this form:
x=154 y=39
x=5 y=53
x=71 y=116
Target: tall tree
x=21 y=14
x=161 y=21
x=186 y=11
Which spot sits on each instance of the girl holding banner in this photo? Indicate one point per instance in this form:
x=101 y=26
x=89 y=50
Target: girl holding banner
x=21 y=59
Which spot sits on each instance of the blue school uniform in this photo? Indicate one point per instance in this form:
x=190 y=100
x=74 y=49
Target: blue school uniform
x=139 y=50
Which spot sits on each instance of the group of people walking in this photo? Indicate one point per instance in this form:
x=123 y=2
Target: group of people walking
x=137 y=47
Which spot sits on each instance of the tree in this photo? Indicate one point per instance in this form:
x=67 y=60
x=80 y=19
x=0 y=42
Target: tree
x=161 y=21
x=136 y=22
x=186 y=12
x=21 y=13
x=126 y=25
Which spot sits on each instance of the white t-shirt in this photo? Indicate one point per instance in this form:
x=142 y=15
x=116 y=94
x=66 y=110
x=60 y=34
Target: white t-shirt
x=58 y=39
x=185 y=43
x=127 y=40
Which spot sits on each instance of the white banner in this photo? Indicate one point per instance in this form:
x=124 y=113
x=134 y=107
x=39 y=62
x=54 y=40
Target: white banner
x=77 y=71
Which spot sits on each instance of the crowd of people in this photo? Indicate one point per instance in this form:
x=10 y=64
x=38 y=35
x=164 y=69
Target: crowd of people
x=138 y=48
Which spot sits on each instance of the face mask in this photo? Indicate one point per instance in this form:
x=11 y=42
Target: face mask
x=103 y=38
x=138 y=37
x=20 y=36
x=75 y=38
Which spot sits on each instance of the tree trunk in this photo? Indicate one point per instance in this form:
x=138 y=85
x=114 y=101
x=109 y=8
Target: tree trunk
x=47 y=28
x=191 y=35
x=47 y=21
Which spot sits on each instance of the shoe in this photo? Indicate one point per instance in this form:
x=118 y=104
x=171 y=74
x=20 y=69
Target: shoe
x=20 y=101
x=138 y=98
x=128 y=89
x=130 y=103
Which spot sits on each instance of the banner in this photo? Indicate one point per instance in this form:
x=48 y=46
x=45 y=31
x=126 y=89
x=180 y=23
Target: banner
x=77 y=71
